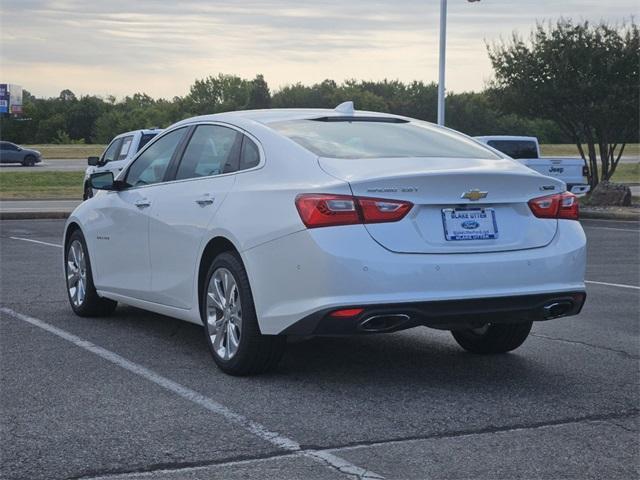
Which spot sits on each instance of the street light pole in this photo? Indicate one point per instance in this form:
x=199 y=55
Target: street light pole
x=443 y=51
x=443 y=48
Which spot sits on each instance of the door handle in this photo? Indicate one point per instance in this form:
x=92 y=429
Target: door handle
x=204 y=200
x=143 y=203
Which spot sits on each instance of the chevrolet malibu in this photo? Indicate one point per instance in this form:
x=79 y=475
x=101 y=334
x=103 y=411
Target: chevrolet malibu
x=260 y=225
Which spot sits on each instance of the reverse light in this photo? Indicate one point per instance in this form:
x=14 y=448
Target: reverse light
x=560 y=205
x=324 y=210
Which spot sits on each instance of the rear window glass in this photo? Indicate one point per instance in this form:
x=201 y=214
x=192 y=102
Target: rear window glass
x=515 y=148
x=376 y=139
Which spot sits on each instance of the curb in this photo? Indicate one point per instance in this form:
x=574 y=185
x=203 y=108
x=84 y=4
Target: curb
x=33 y=215
x=606 y=215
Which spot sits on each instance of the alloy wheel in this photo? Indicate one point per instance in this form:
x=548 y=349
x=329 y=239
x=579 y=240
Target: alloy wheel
x=76 y=273
x=224 y=313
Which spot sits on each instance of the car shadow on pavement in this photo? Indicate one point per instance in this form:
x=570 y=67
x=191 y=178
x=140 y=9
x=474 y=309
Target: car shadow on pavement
x=417 y=357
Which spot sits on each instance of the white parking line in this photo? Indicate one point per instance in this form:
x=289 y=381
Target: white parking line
x=619 y=285
x=36 y=241
x=611 y=228
x=260 y=431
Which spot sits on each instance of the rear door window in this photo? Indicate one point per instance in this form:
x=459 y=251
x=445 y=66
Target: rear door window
x=212 y=150
x=125 y=147
x=515 y=148
x=250 y=155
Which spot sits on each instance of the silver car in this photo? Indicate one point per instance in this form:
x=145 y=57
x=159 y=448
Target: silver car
x=12 y=153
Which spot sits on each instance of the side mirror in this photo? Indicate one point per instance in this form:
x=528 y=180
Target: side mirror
x=102 y=181
x=93 y=161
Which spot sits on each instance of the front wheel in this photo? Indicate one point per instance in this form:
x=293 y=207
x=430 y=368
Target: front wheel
x=29 y=161
x=81 y=291
x=493 y=338
x=230 y=322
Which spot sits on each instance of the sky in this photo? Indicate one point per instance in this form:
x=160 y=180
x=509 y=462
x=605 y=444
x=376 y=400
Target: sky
x=120 y=47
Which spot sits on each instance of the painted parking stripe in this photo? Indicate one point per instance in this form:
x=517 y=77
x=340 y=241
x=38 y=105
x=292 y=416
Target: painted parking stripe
x=619 y=285
x=36 y=241
x=260 y=431
x=612 y=228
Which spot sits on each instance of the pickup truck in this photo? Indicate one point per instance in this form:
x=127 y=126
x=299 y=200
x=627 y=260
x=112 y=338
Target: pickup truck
x=117 y=154
x=526 y=150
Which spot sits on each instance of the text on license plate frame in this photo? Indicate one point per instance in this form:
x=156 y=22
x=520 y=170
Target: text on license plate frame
x=455 y=235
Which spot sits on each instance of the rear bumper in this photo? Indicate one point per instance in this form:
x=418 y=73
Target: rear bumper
x=446 y=315
x=313 y=271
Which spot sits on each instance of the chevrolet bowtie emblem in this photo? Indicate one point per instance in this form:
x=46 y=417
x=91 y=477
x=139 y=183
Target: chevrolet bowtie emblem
x=474 y=195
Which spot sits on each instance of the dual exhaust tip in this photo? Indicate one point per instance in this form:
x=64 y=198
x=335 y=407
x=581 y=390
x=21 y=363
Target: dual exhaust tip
x=393 y=321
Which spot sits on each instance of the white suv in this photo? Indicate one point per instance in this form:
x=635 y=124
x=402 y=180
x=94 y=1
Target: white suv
x=117 y=154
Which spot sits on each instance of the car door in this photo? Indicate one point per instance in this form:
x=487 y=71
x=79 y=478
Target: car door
x=11 y=153
x=184 y=209
x=122 y=260
x=4 y=152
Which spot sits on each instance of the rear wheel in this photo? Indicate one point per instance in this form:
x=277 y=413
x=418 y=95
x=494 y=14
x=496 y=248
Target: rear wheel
x=29 y=161
x=230 y=322
x=493 y=338
x=82 y=294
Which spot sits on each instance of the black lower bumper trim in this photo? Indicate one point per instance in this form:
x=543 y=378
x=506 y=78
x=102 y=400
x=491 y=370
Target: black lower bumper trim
x=445 y=314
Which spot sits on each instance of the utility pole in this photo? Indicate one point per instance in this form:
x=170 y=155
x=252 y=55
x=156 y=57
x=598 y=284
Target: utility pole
x=443 y=53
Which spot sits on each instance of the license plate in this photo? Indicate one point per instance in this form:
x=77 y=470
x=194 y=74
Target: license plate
x=469 y=224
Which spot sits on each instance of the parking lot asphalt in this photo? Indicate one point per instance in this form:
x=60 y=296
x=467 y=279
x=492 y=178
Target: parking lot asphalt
x=136 y=395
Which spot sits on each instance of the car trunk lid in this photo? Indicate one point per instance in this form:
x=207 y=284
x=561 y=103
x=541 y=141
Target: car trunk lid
x=494 y=216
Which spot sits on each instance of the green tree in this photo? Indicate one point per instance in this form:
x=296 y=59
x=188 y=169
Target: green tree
x=259 y=95
x=584 y=77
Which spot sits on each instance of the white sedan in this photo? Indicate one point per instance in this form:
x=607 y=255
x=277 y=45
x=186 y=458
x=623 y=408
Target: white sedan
x=265 y=224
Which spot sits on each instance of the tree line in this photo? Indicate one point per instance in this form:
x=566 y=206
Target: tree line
x=68 y=118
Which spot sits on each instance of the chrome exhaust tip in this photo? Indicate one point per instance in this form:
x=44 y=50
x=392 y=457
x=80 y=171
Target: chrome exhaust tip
x=557 y=309
x=383 y=323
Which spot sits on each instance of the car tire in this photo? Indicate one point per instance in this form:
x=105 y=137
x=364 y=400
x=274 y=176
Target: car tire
x=493 y=338
x=81 y=291
x=29 y=161
x=230 y=322
x=88 y=192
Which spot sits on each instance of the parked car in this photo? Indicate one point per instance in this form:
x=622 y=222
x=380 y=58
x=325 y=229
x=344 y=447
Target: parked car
x=272 y=223
x=572 y=171
x=117 y=154
x=12 y=153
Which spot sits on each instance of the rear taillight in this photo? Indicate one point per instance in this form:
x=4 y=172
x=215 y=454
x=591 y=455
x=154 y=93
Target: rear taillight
x=325 y=210
x=585 y=171
x=560 y=205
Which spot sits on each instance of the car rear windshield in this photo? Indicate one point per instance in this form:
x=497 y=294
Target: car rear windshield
x=376 y=138
x=516 y=148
